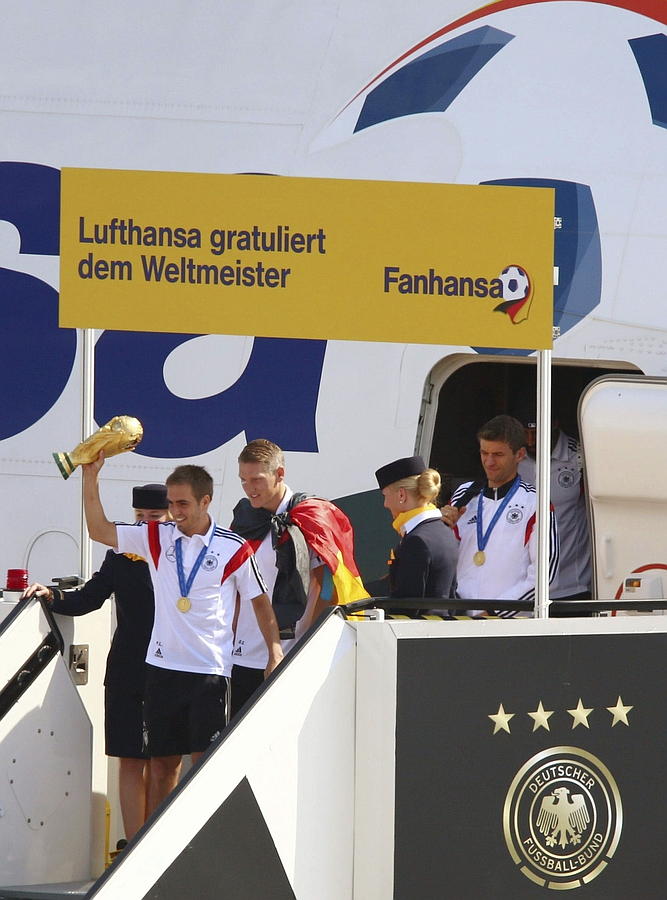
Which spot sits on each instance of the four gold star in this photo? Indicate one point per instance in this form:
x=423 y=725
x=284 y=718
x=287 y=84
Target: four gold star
x=501 y=720
x=541 y=717
x=619 y=712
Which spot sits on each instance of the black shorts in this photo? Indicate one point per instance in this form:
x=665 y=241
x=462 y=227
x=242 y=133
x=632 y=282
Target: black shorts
x=184 y=711
x=245 y=682
x=124 y=732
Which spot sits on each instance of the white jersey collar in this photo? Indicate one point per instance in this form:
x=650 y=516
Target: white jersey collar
x=204 y=539
x=289 y=493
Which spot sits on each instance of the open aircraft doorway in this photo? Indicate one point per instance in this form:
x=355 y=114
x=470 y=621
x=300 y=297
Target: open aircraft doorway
x=463 y=392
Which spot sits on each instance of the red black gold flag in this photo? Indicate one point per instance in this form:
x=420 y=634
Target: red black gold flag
x=329 y=533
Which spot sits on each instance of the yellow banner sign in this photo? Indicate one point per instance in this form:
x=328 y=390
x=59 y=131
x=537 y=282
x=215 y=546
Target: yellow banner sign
x=307 y=258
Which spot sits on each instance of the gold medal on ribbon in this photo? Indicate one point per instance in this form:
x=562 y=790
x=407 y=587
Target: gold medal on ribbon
x=183 y=604
x=479 y=558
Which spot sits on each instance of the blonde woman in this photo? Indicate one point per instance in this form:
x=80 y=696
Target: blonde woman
x=424 y=563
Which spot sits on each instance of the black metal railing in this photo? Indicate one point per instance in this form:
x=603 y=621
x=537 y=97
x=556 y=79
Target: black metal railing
x=37 y=658
x=454 y=606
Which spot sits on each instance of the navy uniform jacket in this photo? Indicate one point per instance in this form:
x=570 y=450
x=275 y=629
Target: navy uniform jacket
x=425 y=562
x=128 y=577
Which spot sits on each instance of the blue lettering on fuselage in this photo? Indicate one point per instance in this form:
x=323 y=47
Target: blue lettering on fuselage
x=37 y=355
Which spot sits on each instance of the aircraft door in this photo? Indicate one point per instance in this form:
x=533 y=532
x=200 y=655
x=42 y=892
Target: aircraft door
x=623 y=427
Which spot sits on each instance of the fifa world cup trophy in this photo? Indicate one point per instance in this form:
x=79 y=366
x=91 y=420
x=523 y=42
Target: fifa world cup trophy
x=118 y=435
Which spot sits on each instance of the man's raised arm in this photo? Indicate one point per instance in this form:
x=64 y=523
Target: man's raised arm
x=99 y=527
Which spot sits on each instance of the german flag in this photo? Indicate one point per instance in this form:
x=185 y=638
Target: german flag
x=328 y=532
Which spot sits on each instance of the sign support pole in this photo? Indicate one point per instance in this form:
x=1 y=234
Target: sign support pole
x=543 y=478
x=87 y=428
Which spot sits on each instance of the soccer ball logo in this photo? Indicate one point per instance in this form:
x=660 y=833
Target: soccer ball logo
x=516 y=293
x=516 y=283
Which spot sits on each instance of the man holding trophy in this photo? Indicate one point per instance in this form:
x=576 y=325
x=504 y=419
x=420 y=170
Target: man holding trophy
x=197 y=569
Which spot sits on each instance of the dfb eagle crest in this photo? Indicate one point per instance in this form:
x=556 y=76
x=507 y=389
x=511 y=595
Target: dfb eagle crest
x=562 y=819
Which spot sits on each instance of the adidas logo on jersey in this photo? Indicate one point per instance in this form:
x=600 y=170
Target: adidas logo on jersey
x=158 y=653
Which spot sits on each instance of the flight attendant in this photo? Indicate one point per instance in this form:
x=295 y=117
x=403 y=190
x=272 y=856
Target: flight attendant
x=424 y=563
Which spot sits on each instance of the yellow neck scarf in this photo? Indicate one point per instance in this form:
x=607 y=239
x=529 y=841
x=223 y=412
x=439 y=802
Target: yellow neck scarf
x=403 y=518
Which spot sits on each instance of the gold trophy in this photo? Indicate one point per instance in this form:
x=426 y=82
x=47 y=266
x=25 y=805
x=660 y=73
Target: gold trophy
x=119 y=434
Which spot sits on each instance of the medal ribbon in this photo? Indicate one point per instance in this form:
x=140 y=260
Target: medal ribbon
x=483 y=538
x=182 y=583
